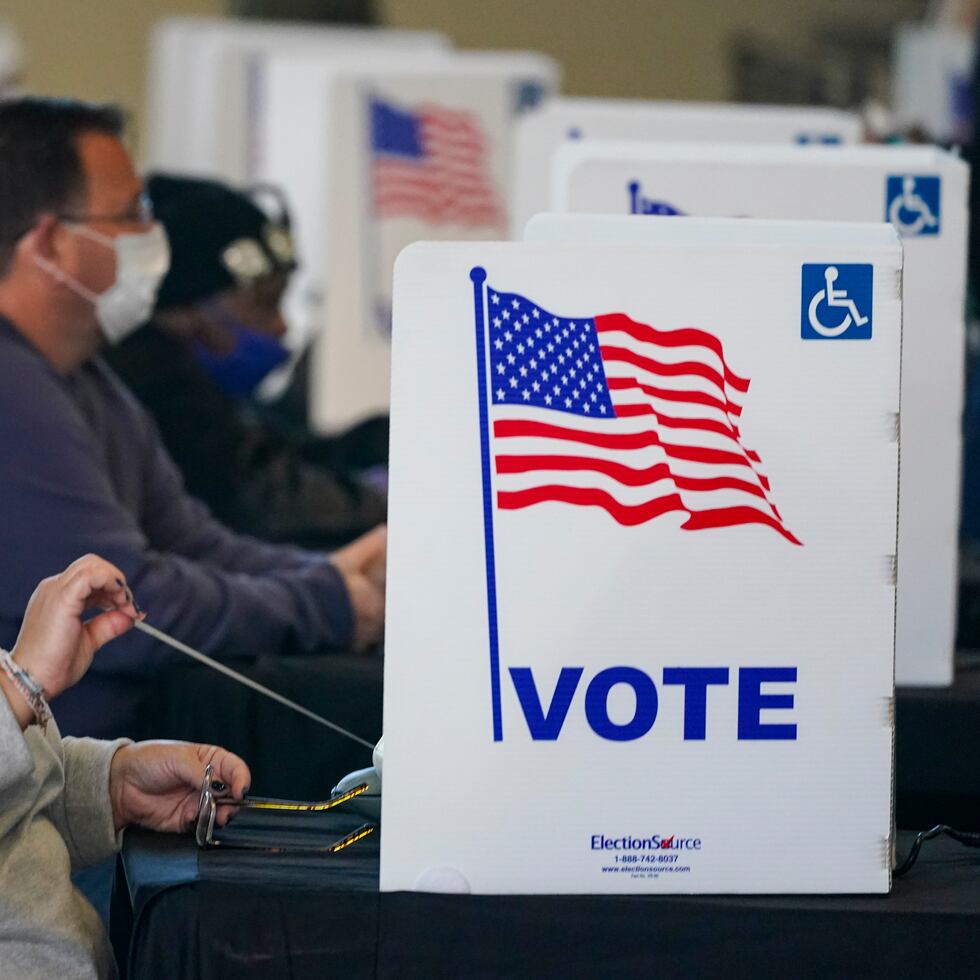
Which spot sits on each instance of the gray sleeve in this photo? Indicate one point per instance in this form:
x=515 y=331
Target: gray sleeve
x=16 y=769
x=83 y=813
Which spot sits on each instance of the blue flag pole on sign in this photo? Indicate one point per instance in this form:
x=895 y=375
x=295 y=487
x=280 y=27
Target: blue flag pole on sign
x=479 y=277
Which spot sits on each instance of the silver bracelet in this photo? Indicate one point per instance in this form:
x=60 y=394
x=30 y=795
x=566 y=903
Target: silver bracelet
x=32 y=691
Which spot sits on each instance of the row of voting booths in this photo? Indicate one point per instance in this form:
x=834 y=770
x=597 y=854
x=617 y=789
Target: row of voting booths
x=675 y=397
x=332 y=117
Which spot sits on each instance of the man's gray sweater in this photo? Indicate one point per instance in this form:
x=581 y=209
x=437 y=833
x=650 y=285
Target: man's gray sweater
x=55 y=817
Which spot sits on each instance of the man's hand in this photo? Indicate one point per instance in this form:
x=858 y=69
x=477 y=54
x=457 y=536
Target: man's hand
x=54 y=646
x=158 y=784
x=362 y=565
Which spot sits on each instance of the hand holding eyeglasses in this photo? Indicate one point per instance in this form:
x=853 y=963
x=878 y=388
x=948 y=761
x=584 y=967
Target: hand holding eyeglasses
x=213 y=807
x=157 y=784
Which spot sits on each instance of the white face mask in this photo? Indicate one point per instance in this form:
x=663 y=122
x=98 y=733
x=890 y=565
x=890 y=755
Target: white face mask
x=142 y=260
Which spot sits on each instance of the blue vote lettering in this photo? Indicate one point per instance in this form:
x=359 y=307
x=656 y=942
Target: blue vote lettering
x=695 y=681
x=597 y=704
x=751 y=702
x=547 y=725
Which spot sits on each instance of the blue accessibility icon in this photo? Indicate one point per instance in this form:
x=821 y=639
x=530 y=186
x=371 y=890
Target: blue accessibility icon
x=825 y=139
x=912 y=204
x=836 y=301
x=641 y=204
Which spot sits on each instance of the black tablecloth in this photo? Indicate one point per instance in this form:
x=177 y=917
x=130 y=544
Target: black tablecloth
x=937 y=746
x=211 y=915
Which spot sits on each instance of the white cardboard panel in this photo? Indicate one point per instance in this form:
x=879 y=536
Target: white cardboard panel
x=564 y=227
x=317 y=137
x=203 y=85
x=930 y=86
x=847 y=183
x=540 y=133
x=296 y=132
x=574 y=587
x=169 y=56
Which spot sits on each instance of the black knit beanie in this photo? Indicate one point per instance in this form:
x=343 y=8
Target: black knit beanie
x=219 y=238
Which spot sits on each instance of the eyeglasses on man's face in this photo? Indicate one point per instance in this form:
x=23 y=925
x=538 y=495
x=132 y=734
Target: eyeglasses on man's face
x=140 y=212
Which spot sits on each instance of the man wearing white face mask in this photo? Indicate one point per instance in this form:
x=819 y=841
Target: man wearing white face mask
x=142 y=259
x=82 y=468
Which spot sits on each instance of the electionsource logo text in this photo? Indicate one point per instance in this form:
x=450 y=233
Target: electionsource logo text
x=655 y=843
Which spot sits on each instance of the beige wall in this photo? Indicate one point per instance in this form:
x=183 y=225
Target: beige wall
x=639 y=48
x=93 y=49
x=650 y=48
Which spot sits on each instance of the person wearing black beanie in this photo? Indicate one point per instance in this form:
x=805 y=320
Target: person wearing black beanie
x=216 y=333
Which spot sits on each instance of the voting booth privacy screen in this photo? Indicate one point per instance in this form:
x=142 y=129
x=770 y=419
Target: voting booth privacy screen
x=923 y=193
x=932 y=65
x=380 y=155
x=539 y=134
x=205 y=86
x=641 y=590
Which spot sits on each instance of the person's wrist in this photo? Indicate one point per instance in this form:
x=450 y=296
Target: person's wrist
x=25 y=662
x=117 y=787
x=30 y=689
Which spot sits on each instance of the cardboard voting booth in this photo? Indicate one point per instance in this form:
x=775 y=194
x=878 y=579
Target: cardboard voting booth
x=204 y=91
x=375 y=156
x=541 y=132
x=640 y=613
x=922 y=191
x=932 y=69
x=299 y=114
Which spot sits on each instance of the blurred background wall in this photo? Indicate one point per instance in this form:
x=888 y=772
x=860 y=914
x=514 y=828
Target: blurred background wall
x=673 y=49
x=757 y=50
x=93 y=49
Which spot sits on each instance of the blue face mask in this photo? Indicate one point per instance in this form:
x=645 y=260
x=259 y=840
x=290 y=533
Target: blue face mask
x=253 y=357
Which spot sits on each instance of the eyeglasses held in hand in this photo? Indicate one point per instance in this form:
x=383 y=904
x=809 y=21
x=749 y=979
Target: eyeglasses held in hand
x=208 y=811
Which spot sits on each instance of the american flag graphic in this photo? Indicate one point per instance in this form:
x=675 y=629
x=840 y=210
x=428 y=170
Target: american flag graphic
x=432 y=164
x=607 y=412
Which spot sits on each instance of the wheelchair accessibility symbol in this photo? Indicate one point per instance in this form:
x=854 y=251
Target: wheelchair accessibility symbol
x=836 y=303
x=912 y=205
x=826 y=139
x=641 y=204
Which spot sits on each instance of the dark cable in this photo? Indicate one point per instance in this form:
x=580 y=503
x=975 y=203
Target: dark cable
x=962 y=836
